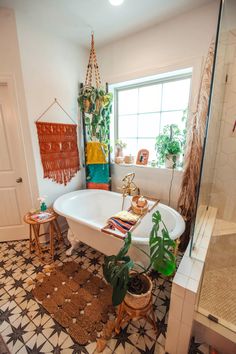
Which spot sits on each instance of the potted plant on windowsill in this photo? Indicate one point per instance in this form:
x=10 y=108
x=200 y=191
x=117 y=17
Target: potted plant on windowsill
x=130 y=285
x=169 y=145
x=120 y=145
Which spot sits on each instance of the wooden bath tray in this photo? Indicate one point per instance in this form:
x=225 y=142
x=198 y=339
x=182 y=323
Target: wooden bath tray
x=107 y=230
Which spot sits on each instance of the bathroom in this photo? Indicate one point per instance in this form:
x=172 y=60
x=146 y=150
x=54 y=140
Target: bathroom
x=167 y=50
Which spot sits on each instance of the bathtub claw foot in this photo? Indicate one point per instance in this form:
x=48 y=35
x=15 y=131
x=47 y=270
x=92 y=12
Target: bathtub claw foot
x=73 y=242
x=69 y=251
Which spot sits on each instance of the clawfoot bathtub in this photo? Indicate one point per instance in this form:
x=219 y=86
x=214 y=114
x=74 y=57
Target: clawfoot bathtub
x=88 y=210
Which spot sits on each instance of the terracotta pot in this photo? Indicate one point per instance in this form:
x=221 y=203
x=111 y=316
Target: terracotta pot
x=119 y=159
x=87 y=104
x=119 y=152
x=140 y=301
x=129 y=159
x=98 y=104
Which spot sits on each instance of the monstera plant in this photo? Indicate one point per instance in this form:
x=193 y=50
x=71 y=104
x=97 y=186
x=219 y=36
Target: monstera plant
x=120 y=271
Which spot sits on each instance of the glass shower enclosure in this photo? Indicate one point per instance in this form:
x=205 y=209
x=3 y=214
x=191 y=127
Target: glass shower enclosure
x=217 y=299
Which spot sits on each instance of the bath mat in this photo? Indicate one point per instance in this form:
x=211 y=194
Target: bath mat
x=98 y=173
x=58 y=150
x=78 y=300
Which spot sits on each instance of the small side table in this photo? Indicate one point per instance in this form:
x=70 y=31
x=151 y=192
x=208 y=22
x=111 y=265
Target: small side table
x=127 y=313
x=34 y=235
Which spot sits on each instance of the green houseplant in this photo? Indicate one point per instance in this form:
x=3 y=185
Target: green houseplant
x=96 y=104
x=169 y=145
x=121 y=272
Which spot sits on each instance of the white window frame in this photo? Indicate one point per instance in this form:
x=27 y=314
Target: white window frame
x=177 y=75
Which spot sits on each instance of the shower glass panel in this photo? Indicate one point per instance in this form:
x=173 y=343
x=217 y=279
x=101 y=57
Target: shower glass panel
x=218 y=182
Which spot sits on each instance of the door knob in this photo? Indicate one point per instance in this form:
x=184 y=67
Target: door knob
x=19 y=180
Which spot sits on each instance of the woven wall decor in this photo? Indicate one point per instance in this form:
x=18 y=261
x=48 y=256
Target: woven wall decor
x=58 y=150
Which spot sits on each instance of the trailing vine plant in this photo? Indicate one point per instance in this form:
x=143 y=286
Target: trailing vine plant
x=96 y=104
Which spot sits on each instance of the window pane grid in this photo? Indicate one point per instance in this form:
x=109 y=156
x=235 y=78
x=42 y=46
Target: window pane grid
x=139 y=124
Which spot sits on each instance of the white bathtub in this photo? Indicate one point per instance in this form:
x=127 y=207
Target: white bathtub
x=88 y=210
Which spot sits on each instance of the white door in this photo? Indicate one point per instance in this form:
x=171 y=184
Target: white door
x=14 y=194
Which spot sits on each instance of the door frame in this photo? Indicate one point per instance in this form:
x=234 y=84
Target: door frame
x=20 y=114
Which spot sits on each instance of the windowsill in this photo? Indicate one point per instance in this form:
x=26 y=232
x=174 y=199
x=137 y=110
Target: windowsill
x=180 y=169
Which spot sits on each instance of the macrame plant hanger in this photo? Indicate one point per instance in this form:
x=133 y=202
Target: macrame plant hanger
x=92 y=66
x=92 y=75
x=58 y=147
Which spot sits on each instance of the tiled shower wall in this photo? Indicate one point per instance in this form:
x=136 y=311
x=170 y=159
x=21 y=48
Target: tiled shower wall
x=223 y=194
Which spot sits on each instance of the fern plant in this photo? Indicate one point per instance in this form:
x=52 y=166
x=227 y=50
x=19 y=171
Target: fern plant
x=116 y=268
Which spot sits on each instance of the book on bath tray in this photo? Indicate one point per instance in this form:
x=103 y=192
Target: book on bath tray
x=40 y=216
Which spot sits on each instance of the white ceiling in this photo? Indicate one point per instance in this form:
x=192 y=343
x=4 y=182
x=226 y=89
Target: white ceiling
x=74 y=19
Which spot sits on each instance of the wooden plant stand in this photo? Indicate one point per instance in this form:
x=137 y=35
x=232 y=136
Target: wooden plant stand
x=34 y=235
x=127 y=313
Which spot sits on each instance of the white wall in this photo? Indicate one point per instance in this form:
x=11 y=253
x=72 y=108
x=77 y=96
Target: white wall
x=159 y=183
x=52 y=68
x=178 y=43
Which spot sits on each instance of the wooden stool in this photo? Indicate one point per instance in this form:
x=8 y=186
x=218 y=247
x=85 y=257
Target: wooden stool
x=127 y=313
x=34 y=237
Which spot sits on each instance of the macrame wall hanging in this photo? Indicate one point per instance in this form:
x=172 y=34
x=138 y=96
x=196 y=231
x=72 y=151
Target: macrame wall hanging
x=96 y=104
x=58 y=148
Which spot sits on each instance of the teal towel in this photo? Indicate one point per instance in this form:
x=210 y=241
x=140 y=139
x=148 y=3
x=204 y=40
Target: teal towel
x=98 y=173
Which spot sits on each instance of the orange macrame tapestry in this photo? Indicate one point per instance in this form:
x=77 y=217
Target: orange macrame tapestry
x=58 y=150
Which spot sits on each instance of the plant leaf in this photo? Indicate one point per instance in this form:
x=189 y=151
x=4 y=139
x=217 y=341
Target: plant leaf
x=162 y=259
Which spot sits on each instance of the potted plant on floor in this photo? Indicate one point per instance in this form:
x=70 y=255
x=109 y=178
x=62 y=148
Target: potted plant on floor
x=169 y=145
x=130 y=285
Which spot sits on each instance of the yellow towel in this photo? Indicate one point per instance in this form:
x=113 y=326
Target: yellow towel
x=96 y=153
x=126 y=216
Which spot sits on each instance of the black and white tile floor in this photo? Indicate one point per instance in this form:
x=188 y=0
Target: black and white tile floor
x=26 y=327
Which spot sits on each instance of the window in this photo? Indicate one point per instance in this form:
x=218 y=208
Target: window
x=143 y=109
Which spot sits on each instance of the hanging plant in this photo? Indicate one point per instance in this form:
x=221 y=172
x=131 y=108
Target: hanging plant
x=96 y=104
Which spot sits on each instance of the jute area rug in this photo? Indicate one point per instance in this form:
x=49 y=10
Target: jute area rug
x=77 y=300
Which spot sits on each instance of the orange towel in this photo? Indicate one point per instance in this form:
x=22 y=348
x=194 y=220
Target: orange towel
x=104 y=186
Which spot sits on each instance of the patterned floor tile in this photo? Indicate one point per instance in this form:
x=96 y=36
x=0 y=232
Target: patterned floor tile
x=37 y=344
x=18 y=333
x=4 y=297
x=9 y=313
x=28 y=328
x=56 y=334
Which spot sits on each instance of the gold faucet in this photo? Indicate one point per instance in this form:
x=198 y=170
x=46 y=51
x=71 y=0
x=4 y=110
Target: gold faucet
x=129 y=187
